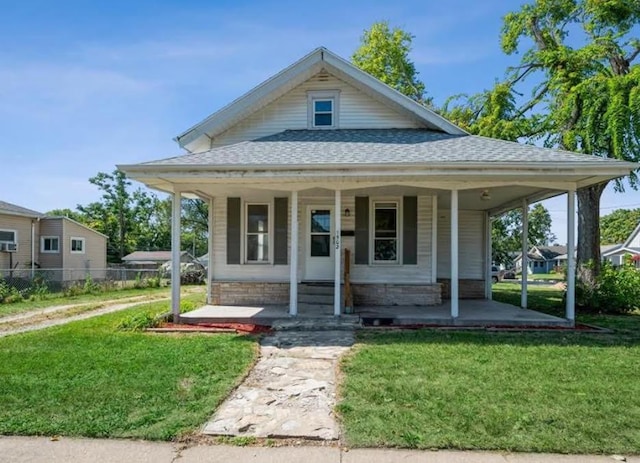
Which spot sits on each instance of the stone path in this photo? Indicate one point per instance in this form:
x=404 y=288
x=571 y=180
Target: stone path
x=290 y=392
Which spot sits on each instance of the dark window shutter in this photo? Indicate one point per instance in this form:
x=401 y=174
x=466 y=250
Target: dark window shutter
x=280 y=239
x=410 y=230
x=234 y=231
x=362 y=230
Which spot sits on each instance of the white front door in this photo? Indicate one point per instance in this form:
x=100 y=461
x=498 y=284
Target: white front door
x=319 y=261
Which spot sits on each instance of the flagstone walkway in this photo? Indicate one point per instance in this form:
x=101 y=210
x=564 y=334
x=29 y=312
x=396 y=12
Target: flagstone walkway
x=290 y=392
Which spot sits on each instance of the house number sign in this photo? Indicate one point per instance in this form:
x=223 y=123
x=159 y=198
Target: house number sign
x=337 y=241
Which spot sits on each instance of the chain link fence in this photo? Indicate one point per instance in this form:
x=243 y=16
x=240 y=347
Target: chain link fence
x=59 y=279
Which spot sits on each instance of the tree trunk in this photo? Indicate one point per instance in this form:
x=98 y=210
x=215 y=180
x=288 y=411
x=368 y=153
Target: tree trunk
x=588 y=261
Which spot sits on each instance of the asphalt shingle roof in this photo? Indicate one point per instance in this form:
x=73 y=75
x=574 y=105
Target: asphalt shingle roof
x=372 y=146
x=15 y=209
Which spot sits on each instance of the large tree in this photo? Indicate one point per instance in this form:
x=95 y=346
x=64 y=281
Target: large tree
x=580 y=56
x=616 y=227
x=576 y=87
x=384 y=53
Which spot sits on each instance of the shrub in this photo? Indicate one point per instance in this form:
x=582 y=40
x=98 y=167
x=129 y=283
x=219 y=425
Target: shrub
x=9 y=293
x=140 y=322
x=616 y=290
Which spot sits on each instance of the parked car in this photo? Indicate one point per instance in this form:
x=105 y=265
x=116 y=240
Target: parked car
x=509 y=274
x=496 y=274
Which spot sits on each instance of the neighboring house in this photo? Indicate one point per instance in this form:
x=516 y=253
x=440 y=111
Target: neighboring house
x=153 y=259
x=616 y=253
x=542 y=259
x=322 y=157
x=30 y=240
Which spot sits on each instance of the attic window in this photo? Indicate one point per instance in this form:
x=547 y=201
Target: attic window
x=323 y=109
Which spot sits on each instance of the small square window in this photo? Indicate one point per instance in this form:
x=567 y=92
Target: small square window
x=77 y=245
x=50 y=244
x=8 y=236
x=323 y=109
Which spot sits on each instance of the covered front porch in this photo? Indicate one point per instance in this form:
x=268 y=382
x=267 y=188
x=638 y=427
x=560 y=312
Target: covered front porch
x=471 y=313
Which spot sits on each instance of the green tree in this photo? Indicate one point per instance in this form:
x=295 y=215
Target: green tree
x=580 y=55
x=616 y=227
x=128 y=217
x=195 y=226
x=384 y=53
x=66 y=212
x=506 y=232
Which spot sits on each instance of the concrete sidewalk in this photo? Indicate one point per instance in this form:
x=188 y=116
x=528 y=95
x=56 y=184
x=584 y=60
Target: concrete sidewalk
x=42 y=449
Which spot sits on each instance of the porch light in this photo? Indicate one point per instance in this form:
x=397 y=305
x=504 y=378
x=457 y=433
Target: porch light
x=485 y=196
x=347 y=212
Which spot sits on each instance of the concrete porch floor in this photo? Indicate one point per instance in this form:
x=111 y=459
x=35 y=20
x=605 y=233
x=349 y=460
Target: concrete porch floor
x=471 y=313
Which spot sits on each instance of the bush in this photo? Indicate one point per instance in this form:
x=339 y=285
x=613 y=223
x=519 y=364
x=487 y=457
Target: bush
x=140 y=322
x=9 y=293
x=617 y=290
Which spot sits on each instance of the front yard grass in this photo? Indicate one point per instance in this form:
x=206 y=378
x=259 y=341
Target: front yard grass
x=56 y=299
x=543 y=298
x=538 y=392
x=89 y=379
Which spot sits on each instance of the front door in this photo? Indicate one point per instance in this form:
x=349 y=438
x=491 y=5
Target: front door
x=319 y=243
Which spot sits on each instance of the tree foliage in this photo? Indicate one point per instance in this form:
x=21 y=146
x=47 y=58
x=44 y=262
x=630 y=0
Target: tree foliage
x=384 y=53
x=616 y=227
x=506 y=233
x=576 y=87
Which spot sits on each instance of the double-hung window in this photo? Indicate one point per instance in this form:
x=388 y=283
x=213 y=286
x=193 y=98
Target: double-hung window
x=77 y=245
x=257 y=233
x=8 y=236
x=50 y=244
x=385 y=232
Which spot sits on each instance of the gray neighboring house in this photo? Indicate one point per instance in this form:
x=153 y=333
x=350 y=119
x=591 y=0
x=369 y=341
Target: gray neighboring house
x=152 y=260
x=323 y=157
x=542 y=259
x=30 y=241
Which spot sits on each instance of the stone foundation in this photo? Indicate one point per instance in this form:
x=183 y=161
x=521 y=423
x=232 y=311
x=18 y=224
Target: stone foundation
x=364 y=294
x=377 y=294
x=249 y=293
x=467 y=289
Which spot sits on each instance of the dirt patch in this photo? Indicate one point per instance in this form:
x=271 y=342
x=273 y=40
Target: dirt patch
x=240 y=328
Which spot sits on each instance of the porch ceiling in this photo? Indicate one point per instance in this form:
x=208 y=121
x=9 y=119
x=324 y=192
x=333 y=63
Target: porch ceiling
x=496 y=200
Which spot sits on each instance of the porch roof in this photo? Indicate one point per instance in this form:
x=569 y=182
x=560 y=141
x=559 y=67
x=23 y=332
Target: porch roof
x=313 y=149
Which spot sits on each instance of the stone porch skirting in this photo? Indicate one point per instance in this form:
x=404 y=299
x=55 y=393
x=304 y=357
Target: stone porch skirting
x=364 y=294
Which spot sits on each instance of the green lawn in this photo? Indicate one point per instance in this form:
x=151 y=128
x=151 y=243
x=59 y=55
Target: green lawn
x=60 y=299
x=540 y=392
x=89 y=379
x=543 y=298
x=546 y=276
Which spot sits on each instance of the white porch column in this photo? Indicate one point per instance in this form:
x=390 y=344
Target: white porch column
x=293 y=257
x=434 y=239
x=175 y=255
x=337 y=306
x=488 y=281
x=210 y=251
x=454 y=254
x=571 y=259
x=525 y=253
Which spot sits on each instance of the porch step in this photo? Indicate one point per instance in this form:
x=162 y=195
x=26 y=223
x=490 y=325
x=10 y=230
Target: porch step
x=342 y=323
x=316 y=288
x=321 y=299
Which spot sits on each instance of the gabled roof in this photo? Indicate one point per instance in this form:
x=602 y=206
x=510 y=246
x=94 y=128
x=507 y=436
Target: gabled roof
x=551 y=252
x=632 y=235
x=319 y=59
x=14 y=209
x=69 y=219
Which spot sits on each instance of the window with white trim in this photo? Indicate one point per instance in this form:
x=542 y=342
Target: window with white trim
x=385 y=232
x=49 y=244
x=257 y=233
x=8 y=236
x=77 y=245
x=323 y=109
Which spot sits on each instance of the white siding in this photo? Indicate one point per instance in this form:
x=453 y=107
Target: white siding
x=471 y=244
x=419 y=273
x=635 y=241
x=357 y=111
x=242 y=272
x=394 y=273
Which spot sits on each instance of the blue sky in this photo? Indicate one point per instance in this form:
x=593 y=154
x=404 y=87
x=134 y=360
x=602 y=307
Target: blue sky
x=86 y=85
